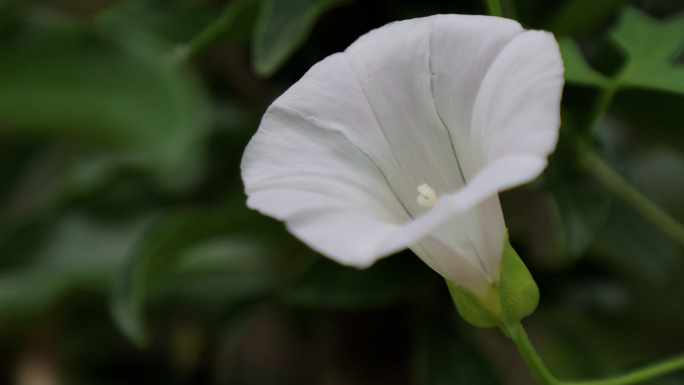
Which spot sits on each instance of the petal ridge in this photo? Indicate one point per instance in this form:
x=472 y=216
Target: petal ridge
x=377 y=121
x=464 y=49
x=318 y=123
x=392 y=66
x=434 y=102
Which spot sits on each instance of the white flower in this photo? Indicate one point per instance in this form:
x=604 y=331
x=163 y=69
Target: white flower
x=405 y=139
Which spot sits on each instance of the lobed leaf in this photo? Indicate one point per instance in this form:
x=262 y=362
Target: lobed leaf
x=577 y=70
x=651 y=46
x=581 y=16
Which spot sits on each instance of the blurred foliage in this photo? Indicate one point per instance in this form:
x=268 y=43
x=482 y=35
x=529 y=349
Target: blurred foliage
x=283 y=26
x=129 y=256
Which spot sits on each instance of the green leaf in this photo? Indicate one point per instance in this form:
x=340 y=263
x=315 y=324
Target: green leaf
x=659 y=173
x=282 y=27
x=236 y=254
x=655 y=117
x=518 y=291
x=327 y=284
x=635 y=245
x=651 y=46
x=63 y=80
x=444 y=356
x=576 y=68
x=579 y=204
x=583 y=211
x=189 y=257
x=235 y=23
x=581 y=16
x=170 y=22
x=80 y=252
x=220 y=272
x=128 y=294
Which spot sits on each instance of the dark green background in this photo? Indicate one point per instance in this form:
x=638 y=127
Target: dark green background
x=127 y=255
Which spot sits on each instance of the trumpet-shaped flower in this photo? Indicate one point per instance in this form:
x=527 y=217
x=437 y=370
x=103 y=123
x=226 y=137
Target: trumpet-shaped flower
x=406 y=138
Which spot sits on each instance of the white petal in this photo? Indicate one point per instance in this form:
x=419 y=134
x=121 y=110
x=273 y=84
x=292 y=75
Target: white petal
x=303 y=168
x=503 y=173
x=330 y=99
x=467 y=248
x=469 y=222
x=436 y=101
x=514 y=127
x=472 y=215
x=518 y=108
x=392 y=65
x=463 y=49
x=329 y=225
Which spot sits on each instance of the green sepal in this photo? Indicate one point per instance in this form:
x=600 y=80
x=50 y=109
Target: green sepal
x=519 y=293
x=506 y=302
x=474 y=308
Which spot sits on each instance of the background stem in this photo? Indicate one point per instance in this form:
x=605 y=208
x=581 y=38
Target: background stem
x=542 y=374
x=602 y=103
x=494 y=8
x=621 y=187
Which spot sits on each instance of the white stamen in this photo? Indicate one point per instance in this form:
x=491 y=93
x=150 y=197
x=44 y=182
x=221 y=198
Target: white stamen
x=427 y=196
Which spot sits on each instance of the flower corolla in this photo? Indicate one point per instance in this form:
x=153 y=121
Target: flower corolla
x=406 y=138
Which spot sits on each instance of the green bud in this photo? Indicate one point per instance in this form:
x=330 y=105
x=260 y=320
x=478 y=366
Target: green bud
x=506 y=302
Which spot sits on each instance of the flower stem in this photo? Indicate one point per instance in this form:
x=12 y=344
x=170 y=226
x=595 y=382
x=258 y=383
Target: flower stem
x=603 y=101
x=494 y=8
x=542 y=374
x=207 y=35
x=617 y=183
